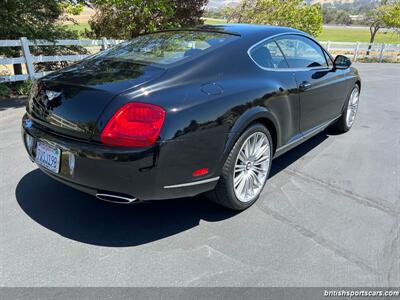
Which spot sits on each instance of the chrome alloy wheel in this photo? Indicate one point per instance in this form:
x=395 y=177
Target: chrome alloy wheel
x=251 y=167
x=352 y=107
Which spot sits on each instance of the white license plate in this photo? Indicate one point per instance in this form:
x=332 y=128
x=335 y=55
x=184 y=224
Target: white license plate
x=48 y=156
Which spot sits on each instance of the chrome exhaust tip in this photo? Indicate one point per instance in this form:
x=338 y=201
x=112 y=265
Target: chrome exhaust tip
x=116 y=198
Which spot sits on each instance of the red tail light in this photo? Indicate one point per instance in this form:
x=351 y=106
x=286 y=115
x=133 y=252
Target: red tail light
x=134 y=125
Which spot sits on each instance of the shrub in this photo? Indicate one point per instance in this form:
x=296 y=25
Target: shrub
x=19 y=88
x=22 y=88
x=5 y=91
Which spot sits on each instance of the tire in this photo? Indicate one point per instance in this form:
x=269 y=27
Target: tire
x=225 y=193
x=343 y=125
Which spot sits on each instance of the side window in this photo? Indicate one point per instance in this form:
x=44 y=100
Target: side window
x=301 y=52
x=268 y=55
x=278 y=60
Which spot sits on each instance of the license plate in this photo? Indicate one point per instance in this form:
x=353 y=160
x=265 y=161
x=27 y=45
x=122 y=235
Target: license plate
x=48 y=156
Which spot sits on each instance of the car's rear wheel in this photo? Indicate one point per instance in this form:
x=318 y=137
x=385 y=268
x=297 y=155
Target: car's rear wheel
x=245 y=170
x=346 y=121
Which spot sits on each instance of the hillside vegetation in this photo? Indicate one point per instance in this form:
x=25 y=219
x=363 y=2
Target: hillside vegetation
x=340 y=34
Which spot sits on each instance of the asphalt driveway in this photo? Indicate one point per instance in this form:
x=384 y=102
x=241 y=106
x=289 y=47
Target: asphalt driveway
x=329 y=216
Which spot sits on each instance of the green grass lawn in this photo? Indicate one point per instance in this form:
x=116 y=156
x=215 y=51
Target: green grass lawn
x=79 y=27
x=341 y=34
x=356 y=35
x=211 y=21
x=328 y=34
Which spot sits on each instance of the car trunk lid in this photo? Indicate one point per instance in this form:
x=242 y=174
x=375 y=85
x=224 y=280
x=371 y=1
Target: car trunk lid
x=70 y=101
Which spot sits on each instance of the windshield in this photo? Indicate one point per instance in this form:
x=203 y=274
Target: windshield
x=166 y=47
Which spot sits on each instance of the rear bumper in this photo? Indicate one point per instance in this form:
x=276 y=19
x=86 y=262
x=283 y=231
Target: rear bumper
x=153 y=173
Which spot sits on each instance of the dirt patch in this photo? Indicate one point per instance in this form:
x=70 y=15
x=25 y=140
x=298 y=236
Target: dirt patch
x=84 y=17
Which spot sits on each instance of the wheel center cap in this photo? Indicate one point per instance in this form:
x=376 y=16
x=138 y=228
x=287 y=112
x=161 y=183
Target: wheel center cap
x=249 y=164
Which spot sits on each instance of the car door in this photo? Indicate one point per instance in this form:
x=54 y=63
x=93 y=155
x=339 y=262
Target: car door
x=280 y=82
x=321 y=87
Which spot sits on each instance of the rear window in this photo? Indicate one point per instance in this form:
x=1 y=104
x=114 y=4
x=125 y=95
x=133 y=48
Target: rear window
x=166 y=47
x=268 y=55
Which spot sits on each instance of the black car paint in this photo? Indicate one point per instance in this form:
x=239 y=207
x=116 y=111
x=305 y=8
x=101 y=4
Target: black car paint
x=86 y=89
x=209 y=100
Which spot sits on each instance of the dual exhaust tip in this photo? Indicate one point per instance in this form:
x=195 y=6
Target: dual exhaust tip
x=116 y=198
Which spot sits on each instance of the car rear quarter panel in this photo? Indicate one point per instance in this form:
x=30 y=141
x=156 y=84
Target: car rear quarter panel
x=201 y=126
x=200 y=132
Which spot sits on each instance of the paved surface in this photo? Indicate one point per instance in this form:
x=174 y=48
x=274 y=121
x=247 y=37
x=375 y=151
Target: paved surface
x=329 y=216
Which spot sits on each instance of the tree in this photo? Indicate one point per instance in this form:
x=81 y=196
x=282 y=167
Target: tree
x=386 y=15
x=36 y=19
x=342 y=18
x=329 y=15
x=231 y=14
x=128 y=18
x=188 y=13
x=291 y=13
x=336 y=16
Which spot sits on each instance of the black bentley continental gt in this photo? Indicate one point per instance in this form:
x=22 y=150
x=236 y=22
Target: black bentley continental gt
x=178 y=113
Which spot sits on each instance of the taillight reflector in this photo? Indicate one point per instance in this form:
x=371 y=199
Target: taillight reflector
x=200 y=172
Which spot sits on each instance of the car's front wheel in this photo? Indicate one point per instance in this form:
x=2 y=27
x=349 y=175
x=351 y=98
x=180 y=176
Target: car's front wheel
x=245 y=170
x=345 y=122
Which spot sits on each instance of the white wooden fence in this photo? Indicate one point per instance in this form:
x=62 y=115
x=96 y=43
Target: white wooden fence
x=357 y=50
x=353 y=50
x=29 y=60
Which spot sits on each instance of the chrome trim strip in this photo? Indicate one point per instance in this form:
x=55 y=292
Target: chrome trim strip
x=290 y=143
x=287 y=69
x=307 y=134
x=130 y=200
x=191 y=183
x=319 y=127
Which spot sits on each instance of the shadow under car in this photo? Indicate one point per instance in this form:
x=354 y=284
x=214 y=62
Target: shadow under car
x=81 y=217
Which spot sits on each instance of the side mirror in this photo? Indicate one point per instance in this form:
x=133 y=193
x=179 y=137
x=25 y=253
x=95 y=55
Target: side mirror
x=342 y=62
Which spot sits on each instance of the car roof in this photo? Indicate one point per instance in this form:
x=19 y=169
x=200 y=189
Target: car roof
x=249 y=30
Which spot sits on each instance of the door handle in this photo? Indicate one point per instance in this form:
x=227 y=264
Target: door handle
x=304 y=85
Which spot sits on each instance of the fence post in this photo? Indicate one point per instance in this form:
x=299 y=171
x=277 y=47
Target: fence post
x=28 y=57
x=328 y=46
x=356 y=51
x=381 y=53
x=105 y=43
x=370 y=45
